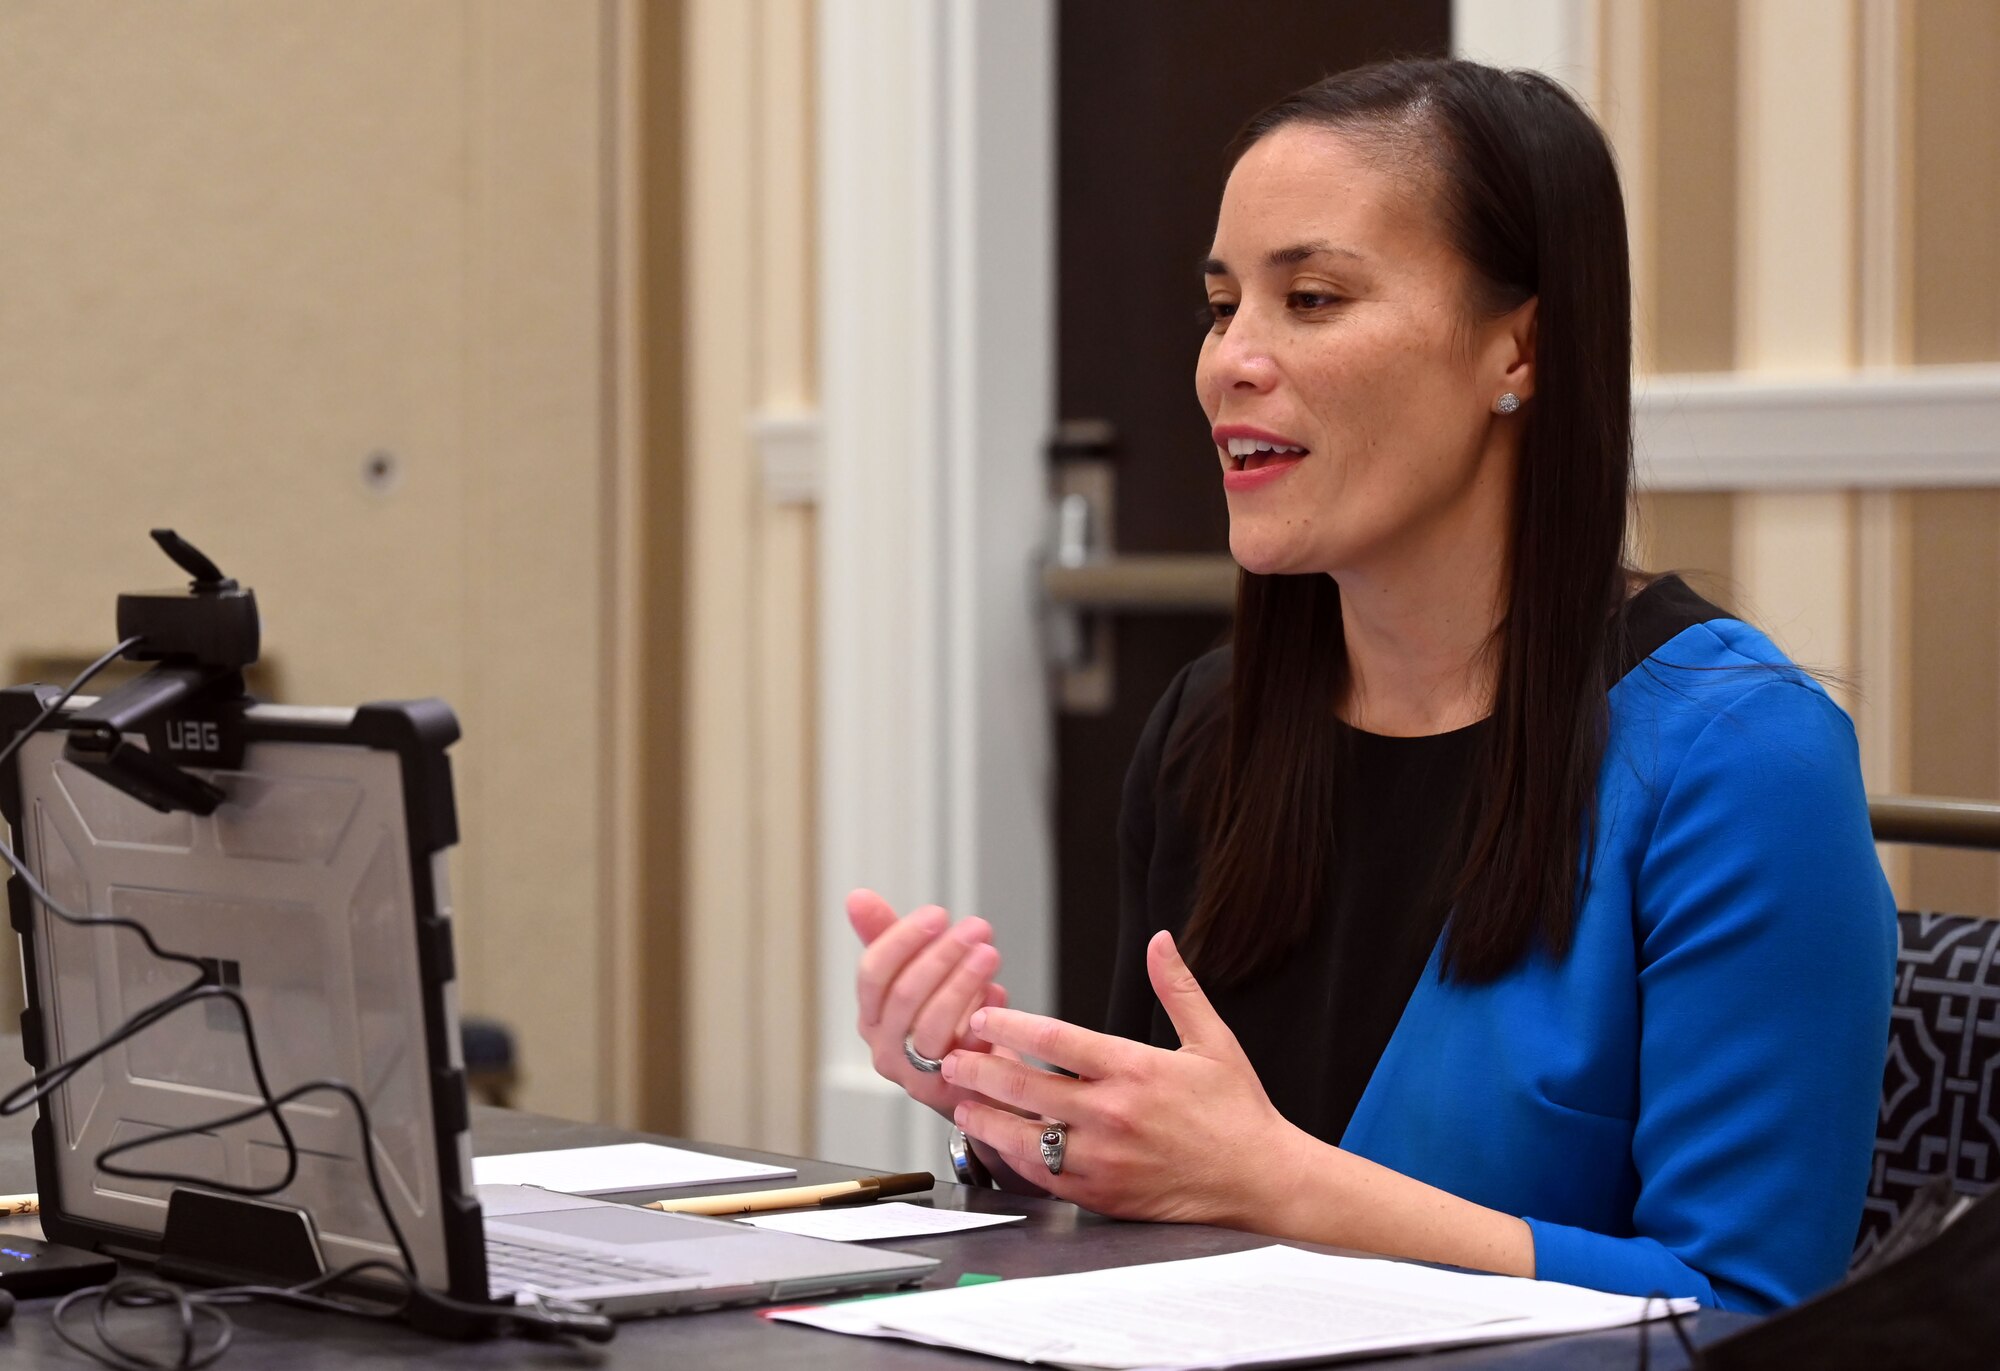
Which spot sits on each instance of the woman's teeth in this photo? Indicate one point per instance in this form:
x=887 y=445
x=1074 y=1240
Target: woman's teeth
x=1248 y=451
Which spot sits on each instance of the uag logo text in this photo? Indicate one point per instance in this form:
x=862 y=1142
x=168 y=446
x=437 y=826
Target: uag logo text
x=194 y=735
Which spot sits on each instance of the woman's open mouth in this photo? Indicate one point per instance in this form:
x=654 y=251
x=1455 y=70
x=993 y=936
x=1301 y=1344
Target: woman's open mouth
x=1254 y=461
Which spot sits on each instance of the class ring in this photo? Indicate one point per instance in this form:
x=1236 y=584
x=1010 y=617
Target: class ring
x=1055 y=1137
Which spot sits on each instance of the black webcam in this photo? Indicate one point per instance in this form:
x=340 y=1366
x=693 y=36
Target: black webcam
x=189 y=707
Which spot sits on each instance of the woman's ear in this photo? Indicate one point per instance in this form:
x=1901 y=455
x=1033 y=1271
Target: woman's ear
x=1513 y=351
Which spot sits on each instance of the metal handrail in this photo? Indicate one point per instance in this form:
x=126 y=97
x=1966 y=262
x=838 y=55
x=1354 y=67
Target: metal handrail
x=1163 y=583
x=1934 y=821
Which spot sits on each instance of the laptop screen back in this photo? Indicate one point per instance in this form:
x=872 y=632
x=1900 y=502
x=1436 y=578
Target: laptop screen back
x=299 y=890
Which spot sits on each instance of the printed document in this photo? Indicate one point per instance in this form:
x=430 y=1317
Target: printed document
x=879 y=1222
x=620 y=1166
x=1270 y=1306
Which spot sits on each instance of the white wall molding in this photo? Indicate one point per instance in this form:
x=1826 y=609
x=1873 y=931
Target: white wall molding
x=936 y=285
x=1865 y=430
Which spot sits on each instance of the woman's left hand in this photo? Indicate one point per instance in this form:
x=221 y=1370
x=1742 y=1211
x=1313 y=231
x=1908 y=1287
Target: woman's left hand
x=1187 y=1136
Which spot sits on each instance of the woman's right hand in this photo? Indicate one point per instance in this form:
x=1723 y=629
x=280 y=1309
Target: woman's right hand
x=921 y=978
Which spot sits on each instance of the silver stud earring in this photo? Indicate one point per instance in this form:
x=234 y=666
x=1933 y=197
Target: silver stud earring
x=1507 y=403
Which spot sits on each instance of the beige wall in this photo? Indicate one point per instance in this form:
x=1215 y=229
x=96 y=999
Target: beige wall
x=1822 y=189
x=249 y=247
x=243 y=248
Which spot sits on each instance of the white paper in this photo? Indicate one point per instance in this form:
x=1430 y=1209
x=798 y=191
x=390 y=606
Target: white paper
x=620 y=1166
x=878 y=1222
x=1265 y=1307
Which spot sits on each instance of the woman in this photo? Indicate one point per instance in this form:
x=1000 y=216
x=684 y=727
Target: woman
x=1644 y=1051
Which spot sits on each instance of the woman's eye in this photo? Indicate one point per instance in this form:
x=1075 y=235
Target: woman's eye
x=1215 y=313
x=1311 y=299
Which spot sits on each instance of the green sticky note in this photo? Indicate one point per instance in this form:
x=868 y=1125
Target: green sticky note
x=974 y=1278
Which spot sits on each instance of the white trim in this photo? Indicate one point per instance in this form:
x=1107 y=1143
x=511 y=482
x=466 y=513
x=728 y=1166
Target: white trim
x=877 y=758
x=1893 y=429
x=936 y=277
x=999 y=330
x=1558 y=37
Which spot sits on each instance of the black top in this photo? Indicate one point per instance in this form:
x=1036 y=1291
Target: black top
x=1315 y=1023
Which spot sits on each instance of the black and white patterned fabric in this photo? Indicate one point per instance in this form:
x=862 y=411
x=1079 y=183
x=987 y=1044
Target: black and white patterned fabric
x=1941 y=1087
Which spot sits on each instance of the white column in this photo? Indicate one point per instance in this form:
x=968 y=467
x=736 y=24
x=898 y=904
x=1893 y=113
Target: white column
x=1560 y=37
x=936 y=227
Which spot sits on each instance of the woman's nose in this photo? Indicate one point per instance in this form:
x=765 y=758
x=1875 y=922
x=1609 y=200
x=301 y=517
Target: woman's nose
x=1241 y=360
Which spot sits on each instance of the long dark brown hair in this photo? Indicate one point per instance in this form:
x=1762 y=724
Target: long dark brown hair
x=1528 y=194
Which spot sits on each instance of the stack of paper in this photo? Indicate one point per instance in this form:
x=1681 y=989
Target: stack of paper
x=1271 y=1306
x=617 y=1167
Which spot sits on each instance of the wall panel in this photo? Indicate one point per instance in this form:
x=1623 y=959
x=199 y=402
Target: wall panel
x=1690 y=301
x=246 y=250
x=1955 y=744
x=1955 y=317
x=1693 y=533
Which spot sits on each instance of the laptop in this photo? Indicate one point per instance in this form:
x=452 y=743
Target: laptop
x=316 y=888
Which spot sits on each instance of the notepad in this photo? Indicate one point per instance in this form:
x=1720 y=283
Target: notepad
x=879 y=1222
x=617 y=1167
x=1270 y=1306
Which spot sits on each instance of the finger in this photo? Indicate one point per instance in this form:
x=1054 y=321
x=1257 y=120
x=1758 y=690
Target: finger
x=924 y=973
x=1194 y=1018
x=941 y=1019
x=1090 y=1055
x=1005 y=1081
x=870 y=915
x=1019 y=1143
x=996 y=998
x=886 y=956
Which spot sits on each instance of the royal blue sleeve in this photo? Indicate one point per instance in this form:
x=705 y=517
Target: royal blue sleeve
x=1767 y=947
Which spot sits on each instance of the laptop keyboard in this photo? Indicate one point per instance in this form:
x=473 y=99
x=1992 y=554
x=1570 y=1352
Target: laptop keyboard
x=514 y=1266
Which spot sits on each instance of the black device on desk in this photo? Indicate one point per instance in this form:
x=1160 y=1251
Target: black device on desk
x=31 y=1269
x=256 y=898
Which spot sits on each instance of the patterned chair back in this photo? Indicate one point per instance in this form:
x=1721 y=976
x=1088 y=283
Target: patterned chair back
x=1941 y=1087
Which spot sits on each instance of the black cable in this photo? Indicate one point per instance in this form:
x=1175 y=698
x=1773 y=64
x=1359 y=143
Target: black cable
x=555 y=1318
x=142 y=1292
x=269 y=1106
x=1674 y=1317
x=83 y=679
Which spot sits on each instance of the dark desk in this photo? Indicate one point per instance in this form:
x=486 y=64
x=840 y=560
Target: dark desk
x=1056 y=1238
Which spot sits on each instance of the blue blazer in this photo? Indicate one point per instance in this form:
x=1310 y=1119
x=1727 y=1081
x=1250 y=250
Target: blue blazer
x=1686 y=1103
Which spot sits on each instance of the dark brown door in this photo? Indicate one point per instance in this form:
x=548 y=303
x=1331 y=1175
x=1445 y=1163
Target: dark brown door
x=1150 y=93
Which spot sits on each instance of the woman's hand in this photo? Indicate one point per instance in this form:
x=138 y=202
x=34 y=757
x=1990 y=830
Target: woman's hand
x=921 y=978
x=1186 y=1136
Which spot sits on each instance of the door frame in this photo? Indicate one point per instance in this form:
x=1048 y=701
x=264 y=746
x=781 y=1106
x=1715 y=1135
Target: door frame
x=936 y=177
x=936 y=190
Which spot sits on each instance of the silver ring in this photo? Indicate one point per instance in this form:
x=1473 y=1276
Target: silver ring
x=1055 y=1137
x=930 y=1066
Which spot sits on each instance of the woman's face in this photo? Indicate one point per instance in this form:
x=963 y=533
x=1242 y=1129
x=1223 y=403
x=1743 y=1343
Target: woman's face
x=1342 y=327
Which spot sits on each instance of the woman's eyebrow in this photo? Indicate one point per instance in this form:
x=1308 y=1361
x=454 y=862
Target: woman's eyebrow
x=1285 y=257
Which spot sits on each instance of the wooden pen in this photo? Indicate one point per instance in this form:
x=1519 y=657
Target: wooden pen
x=863 y=1190
x=10 y=1205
